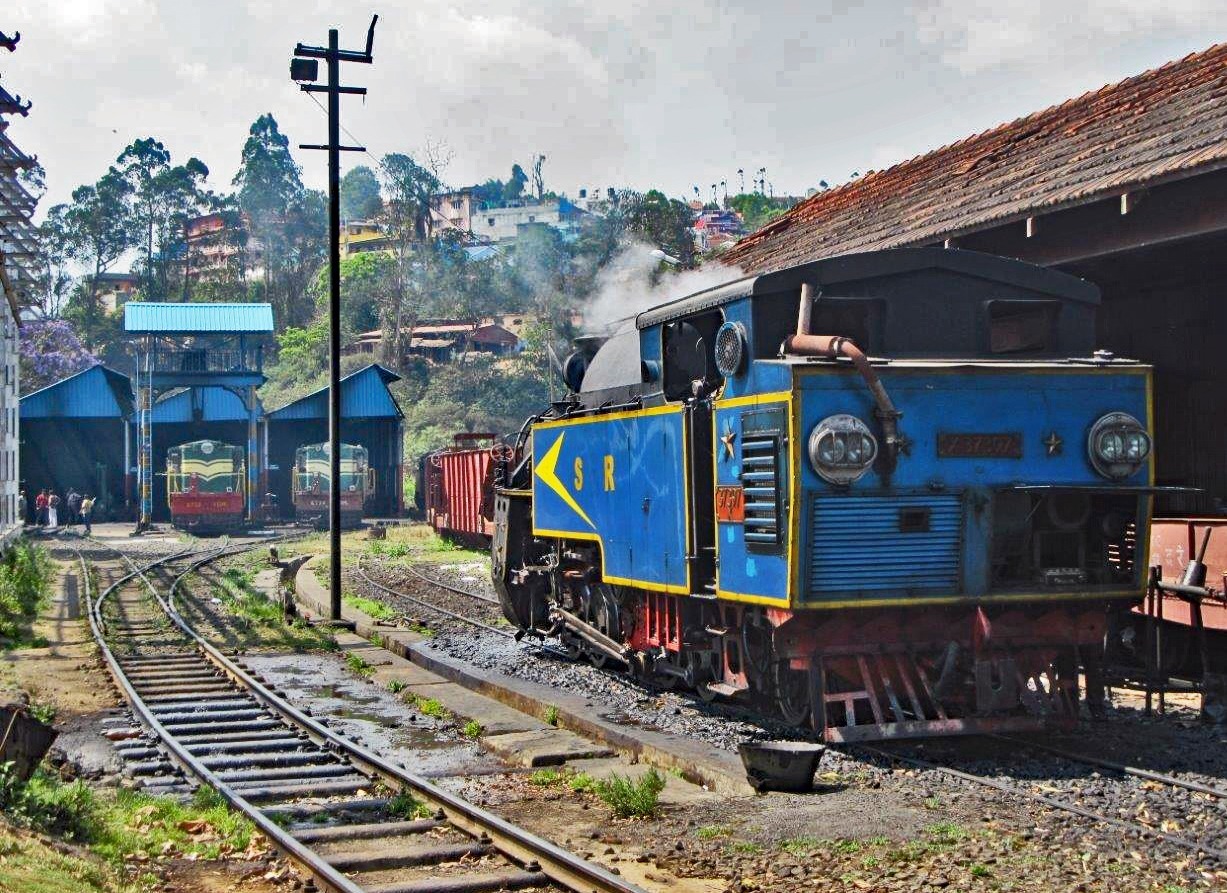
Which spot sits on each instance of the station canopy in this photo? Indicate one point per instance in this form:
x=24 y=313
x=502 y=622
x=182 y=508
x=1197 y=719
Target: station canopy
x=159 y=318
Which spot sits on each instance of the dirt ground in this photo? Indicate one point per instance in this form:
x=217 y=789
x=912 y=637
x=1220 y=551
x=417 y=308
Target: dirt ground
x=65 y=673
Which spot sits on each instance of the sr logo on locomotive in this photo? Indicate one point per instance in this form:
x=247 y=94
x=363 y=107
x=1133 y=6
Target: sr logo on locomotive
x=894 y=493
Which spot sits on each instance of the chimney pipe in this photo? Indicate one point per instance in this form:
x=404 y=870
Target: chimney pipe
x=834 y=346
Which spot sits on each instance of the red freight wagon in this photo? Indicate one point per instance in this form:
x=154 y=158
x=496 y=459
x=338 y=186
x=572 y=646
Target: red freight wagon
x=458 y=488
x=1173 y=543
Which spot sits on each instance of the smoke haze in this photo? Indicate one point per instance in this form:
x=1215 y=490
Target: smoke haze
x=624 y=287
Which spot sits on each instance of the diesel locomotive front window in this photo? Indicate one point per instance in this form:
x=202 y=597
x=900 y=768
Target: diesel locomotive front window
x=1063 y=539
x=1022 y=326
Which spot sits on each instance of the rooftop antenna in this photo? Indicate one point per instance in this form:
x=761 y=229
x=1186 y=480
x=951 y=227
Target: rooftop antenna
x=742 y=174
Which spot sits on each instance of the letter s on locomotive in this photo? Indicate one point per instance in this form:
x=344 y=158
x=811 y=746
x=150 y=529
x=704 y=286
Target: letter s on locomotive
x=892 y=494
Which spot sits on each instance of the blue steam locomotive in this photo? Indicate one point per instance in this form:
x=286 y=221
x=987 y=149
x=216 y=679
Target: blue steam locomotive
x=894 y=494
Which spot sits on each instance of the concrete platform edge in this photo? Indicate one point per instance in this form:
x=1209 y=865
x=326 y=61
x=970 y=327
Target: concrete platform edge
x=703 y=764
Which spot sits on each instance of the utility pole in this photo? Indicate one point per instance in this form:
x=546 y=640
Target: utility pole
x=304 y=69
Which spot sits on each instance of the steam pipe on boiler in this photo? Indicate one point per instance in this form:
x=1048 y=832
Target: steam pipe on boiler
x=804 y=344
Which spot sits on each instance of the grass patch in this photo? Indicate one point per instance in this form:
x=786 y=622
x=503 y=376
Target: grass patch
x=374 y=609
x=545 y=778
x=800 y=846
x=551 y=715
x=946 y=833
x=257 y=619
x=406 y=806
x=44 y=713
x=123 y=824
x=713 y=832
x=932 y=803
x=978 y=869
x=29 y=865
x=431 y=707
x=582 y=783
x=629 y=798
x=396 y=686
x=25 y=583
x=472 y=729
x=846 y=847
x=359 y=665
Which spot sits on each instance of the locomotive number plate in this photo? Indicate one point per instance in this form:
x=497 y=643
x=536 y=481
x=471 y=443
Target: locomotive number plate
x=979 y=446
x=731 y=504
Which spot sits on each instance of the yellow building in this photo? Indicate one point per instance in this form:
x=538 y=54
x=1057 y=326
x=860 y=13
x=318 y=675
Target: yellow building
x=362 y=235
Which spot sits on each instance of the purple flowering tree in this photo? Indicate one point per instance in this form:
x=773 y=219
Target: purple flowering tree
x=50 y=350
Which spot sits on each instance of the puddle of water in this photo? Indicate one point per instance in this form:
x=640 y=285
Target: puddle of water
x=369 y=715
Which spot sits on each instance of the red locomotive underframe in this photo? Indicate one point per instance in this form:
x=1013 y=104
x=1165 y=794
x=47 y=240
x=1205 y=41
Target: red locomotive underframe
x=889 y=688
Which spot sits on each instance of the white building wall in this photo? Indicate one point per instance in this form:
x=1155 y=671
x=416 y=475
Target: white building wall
x=501 y=224
x=10 y=395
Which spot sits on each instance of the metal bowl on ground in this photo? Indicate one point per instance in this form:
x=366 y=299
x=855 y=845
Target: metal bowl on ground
x=780 y=765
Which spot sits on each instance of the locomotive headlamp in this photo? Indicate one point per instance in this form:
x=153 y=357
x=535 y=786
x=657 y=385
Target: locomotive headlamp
x=842 y=449
x=1118 y=445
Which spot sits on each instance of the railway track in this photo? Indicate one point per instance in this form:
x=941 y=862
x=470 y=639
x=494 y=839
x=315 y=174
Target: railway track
x=1048 y=798
x=354 y=821
x=431 y=606
x=1126 y=801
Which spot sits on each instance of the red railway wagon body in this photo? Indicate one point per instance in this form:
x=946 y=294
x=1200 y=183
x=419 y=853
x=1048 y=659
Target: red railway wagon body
x=1173 y=543
x=458 y=489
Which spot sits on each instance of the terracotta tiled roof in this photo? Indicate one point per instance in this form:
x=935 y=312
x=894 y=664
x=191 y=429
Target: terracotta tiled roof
x=1162 y=124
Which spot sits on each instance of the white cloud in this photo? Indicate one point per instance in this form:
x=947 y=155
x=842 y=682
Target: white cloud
x=975 y=35
x=638 y=93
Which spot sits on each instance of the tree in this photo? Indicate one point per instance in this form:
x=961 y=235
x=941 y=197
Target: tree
x=756 y=209
x=366 y=280
x=410 y=189
x=538 y=179
x=163 y=197
x=50 y=350
x=360 y=195
x=663 y=223
x=54 y=262
x=97 y=228
x=287 y=223
x=514 y=187
x=489 y=194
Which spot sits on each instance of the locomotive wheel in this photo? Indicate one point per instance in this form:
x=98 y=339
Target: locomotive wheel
x=604 y=613
x=791 y=693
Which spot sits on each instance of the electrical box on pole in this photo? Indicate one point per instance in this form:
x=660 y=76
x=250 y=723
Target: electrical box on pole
x=304 y=69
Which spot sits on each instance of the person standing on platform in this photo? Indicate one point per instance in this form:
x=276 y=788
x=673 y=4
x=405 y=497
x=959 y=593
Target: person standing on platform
x=72 y=505
x=22 y=508
x=53 y=510
x=87 y=510
x=40 y=508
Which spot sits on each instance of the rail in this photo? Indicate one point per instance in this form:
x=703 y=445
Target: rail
x=518 y=844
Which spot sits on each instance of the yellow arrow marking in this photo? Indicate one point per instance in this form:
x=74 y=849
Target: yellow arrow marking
x=547 y=470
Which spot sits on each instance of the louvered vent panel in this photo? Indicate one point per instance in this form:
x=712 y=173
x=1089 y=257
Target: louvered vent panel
x=760 y=473
x=869 y=543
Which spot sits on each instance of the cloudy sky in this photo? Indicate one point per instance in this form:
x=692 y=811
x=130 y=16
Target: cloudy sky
x=635 y=93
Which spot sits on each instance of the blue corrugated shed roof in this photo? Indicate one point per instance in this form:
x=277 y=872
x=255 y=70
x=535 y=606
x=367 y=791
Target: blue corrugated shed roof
x=95 y=393
x=364 y=394
x=224 y=319
x=213 y=405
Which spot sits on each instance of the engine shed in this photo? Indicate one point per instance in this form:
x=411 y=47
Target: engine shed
x=75 y=433
x=370 y=417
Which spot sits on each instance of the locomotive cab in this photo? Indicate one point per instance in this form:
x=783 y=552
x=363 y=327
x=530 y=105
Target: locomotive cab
x=893 y=493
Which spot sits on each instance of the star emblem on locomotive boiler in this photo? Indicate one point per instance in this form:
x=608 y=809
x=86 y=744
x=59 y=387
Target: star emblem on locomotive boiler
x=1053 y=442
